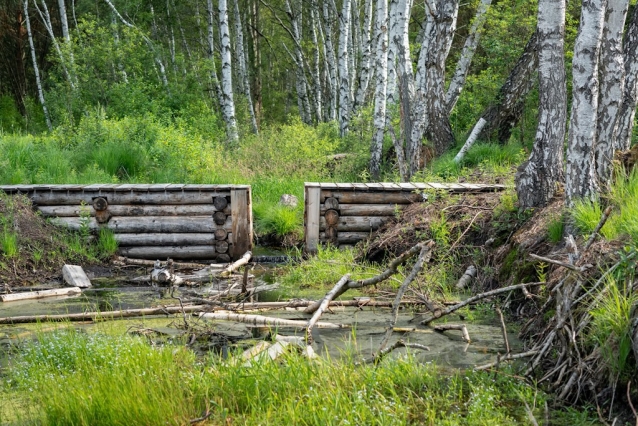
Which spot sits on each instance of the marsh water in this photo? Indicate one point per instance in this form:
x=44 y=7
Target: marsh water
x=361 y=338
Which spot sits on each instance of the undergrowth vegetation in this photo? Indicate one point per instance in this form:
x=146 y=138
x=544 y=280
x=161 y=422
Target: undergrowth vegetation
x=72 y=377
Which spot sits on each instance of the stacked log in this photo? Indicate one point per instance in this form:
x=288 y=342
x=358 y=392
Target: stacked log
x=197 y=222
x=346 y=213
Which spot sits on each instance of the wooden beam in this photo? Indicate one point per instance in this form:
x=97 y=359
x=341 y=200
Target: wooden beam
x=242 y=222
x=127 y=210
x=312 y=218
x=149 y=224
x=164 y=252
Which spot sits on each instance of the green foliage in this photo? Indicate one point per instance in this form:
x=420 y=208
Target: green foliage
x=8 y=243
x=440 y=231
x=555 y=229
x=106 y=243
x=10 y=118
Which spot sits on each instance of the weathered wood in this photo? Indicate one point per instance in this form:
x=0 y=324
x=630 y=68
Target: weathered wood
x=220 y=234
x=330 y=203
x=223 y=258
x=221 y=246
x=460 y=327
x=100 y=204
x=355 y=224
x=27 y=295
x=74 y=276
x=220 y=203
x=368 y=209
x=363 y=197
x=332 y=236
x=150 y=224
x=127 y=210
x=325 y=302
x=331 y=217
x=104 y=315
x=311 y=222
x=119 y=260
x=262 y=320
x=242 y=222
x=346 y=237
x=236 y=265
x=56 y=197
x=219 y=218
x=174 y=252
x=165 y=239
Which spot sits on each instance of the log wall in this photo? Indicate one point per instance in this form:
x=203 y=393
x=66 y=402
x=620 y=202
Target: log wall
x=202 y=222
x=346 y=213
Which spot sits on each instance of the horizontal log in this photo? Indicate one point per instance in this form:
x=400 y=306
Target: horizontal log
x=346 y=237
x=365 y=197
x=174 y=252
x=57 y=198
x=128 y=210
x=27 y=295
x=356 y=223
x=150 y=224
x=368 y=209
x=154 y=239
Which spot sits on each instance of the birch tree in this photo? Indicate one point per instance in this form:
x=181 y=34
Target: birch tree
x=211 y=55
x=46 y=20
x=627 y=111
x=580 y=179
x=303 y=101
x=228 y=102
x=612 y=85
x=536 y=178
x=344 y=75
x=331 y=65
x=381 y=33
x=242 y=71
x=36 y=69
x=364 y=66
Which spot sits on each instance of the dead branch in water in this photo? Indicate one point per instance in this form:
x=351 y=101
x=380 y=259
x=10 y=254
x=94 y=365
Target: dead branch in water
x=236 y=265
x=460 y=327
x=503 y=329
x=325 y=302
x=377 y=357
x=508 y=357
x=265 y=321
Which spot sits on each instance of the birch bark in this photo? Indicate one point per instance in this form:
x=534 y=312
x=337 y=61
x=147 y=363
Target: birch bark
x=536 y=178
x=630 y=99
x=300 y=76
x=316 y=65
x=242 y=69
x=381 y=33
x=612 y=83
x=344 y=76
x=46 y=19
x=331 y=62
x=211 y=55
x=228 y=105
x=366 y=48
x=580 y=179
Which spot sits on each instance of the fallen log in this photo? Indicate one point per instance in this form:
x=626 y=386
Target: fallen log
x=144 y=262
x=264 y=321
x=28 y=295
x=107 y=315
x=325 y=302
x=460 y=327
x=377 y=357
x=235 y=265
x=468 y=276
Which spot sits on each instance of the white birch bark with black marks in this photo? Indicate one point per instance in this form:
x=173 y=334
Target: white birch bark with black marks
x=469 y=48
x=228 y=105
x=381 y=34
x=366 y=57
x=391 y=90
x=612 y=83
x=354 y=47
x=211 y=56
x=67 y=38
x=344 y=75
x=303 y=102
x=331 y=64
x=46 y=20
x=536 y=178
x=580 y=178
x=316 y=63
x=243 y=66
x=627 y=112
x=116 y=41
x=36 y=69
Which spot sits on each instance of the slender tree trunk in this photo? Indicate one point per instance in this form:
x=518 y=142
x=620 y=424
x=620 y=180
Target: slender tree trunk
x=381 y=33
x=64 y=21
x=300 y=76
x=243 y=74
x=391 y=90
x=580 y=179
x=344 y=75
x=316 y=63
x=331 y=59
x=364 y=68
x=46 y=20
x=211 y=56
x=630 y=99
x=537 y=178
x=505 y=112
x=612 y=83
x=36 y=70
x=469 y=48
x=256 y=63
x=228 y=105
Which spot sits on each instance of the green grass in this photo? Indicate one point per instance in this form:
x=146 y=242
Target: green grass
x=555 y=229
x=74 y=378
x=106 y=243
x=9 y=244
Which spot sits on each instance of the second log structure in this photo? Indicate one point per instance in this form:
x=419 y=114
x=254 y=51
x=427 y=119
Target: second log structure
x=345 y=213
x=195 y=222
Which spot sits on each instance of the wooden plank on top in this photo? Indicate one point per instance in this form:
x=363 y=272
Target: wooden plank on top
x=312 y=212
x=309 y=184
x=175 y=187
x=141 y=187
x=124 y=187
x=93 y=187
x=407 y=186
x=360 y=186
x=158 y=187
x=389 y=186
x=436 y=185
x=344 y=185
x=374 y=186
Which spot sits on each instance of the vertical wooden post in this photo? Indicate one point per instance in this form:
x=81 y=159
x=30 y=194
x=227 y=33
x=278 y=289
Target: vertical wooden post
x=242 y=221
x=312 y=212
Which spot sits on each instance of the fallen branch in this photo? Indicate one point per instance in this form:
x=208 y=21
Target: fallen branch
x=120 y=261
x=377 y=357
x=27 y=295
x=508 y=357
x=325 y=302
x=503 y=329
x=449 y=310
x=264 y=321
x=560 y=263
x=236 y=265
x=424 y=256
x=391 y=270
x=461 y=327
x=601 y=223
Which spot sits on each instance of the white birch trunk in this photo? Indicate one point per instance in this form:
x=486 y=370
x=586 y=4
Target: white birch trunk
x=354 y=47
x=391 y=90
x=36 y=70
x=211 y=56
x=476 y=131
x=381 y=33
x=612 y=83
x=344 y=76
x=303 y=102
x=316 y=66
x=331 y=59
x=469 y=48
x=67 y=37
x=580 y=179
x=536 y=178
x=46 y=20
x=243 y=73
x=366 y=46
x=228 y=105
x=116 y=41
x=630 y=99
